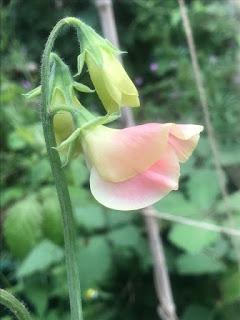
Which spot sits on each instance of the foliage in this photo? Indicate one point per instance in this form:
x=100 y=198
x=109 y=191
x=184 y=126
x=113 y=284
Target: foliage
x=114 y=260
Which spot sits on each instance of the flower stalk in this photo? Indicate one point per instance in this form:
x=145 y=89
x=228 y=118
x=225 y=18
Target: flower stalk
x=14 y=305
x=60 y=182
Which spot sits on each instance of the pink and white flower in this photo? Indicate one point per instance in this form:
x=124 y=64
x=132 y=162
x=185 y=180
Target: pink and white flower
x=135 y=167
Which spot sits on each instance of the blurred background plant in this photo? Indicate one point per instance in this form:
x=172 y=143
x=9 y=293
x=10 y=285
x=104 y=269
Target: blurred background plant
x=114 y=262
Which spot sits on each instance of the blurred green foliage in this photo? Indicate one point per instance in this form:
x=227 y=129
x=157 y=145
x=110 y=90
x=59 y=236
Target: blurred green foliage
x=113 y=252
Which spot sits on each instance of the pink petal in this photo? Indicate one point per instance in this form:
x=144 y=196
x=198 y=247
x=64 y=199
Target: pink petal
x=140 y=191
x=118 y=155
x=184 y=138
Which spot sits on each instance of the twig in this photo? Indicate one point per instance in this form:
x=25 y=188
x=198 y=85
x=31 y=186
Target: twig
x=194 y=223
x=204 y=104
x=166 y=307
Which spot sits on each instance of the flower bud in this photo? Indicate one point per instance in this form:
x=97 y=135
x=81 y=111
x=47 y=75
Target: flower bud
x=114 y=87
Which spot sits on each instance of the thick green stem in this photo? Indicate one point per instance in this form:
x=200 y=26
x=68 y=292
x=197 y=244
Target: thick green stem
x=14 y=305
x=61 y=185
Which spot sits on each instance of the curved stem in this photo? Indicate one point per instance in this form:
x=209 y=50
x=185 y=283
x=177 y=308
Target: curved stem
x=60 y=182
x=13 y=304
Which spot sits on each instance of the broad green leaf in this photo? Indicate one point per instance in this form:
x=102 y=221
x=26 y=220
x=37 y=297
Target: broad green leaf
x=22 y=226
x=203 y=149
x=79 y=172
x=233 y=203
x=230 y=311
x=198 y=264
x=10 y=194
x=59 y=287
x=219 y=249
x=37 y=295
x=40 y=258
x=90 y=217
x=15 y=141
x=230 y=156
x=195 y=312
x=40 y=171
x=52 y=315
x=203 y=188
x=115 y=217
x=128 y=236
x=80 y=196
x=56 y=315
x=94 y=261
x=176 y=203
x=192 y=239
x=230 y=287
x=52 y=223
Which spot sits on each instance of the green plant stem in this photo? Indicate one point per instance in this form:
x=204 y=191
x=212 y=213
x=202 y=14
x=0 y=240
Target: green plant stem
x=60 y=182
x=14 y=305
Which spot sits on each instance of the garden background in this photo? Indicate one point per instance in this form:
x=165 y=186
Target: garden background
x=114 y=260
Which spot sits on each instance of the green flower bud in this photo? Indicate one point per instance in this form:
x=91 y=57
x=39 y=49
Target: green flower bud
x=114 y=87
x=63 y=103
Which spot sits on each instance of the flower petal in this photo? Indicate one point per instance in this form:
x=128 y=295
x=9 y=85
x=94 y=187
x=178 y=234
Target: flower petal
x=140 y=191
x=117 y=75
x=97 y=77
x=118 y=155
x=184 y=138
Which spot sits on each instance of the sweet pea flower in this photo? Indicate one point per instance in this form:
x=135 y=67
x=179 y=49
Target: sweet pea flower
x=135 y=167
x=113 y=85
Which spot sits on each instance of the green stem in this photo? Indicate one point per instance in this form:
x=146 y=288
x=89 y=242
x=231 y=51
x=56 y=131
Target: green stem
x=13 y=304
x=61 y=185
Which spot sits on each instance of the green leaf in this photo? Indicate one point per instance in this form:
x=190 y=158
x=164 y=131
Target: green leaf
x=80 y=195
x=94 y=262
x=52 y=224
x=230 y=156
x=191 y=239
x=90 y=217
x=219 y=249
x=22 y=226
x=37 y=295
x=40 y=172
x=230 y=287
x=128 y=236
x=203 y=149
x=79 y=172
x=115 y=217
x=203 y=188
x=233 y=203
x=15 y=141
x=176 y=203
x=59 y=286
x=198 y=264
x=40 y=258
x=11 y=194
x=195 y=312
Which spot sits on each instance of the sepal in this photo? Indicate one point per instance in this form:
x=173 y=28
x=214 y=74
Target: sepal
x=82 y=87
x=33 y=93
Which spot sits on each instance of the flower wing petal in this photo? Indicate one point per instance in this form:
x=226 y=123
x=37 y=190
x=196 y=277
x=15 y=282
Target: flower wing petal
x=184 y=138
x=140 y=191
